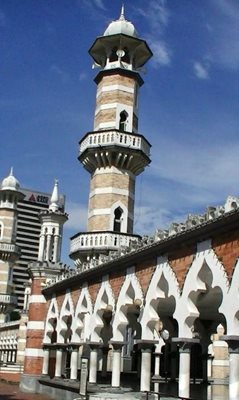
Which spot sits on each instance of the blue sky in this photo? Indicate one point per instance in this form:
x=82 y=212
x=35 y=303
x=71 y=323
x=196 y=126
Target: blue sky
x=189 y=108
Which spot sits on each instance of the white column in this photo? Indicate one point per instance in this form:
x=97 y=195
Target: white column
x=58 y=363
x=116 y=365
x=74 y=364
x=41 y=247
x=93 y=364
x=145 y=376
x=184 y=372
x=45 y=366
x=55 y=255
x=233 y=347
x=48 y=247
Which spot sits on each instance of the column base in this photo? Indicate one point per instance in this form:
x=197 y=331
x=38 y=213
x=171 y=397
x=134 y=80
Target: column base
x=30 y=383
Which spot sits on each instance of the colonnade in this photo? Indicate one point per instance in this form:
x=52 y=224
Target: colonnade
x=148 y=351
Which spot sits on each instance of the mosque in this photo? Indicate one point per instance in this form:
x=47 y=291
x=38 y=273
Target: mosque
x=135 y=312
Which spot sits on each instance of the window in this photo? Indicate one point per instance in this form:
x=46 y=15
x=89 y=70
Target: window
x=123 y=121
x=117 y=219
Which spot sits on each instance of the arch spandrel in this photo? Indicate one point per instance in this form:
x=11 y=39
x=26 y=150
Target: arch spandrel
x=230 y=306
x=130 y=294
x=65 y=318
x=81 y=320
x=163 y=288
x=105 y=302
x=207 y=277
x=52 y=319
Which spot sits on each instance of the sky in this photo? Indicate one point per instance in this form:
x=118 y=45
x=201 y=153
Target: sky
x=189 y=108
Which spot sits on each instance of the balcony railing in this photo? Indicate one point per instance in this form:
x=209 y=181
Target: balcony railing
x=9 y=251
x=7 y=302
x=101 y=241
x=115 y=138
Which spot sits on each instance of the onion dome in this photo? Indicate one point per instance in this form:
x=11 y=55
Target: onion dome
x=10 y=182
x=121 y=26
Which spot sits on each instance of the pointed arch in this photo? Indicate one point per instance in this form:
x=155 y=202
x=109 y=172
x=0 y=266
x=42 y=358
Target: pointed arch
x=105 y=303
x=52 y=320
x=118 y=217
x=131 y=294
x=163 y=288
x=206 y=273
x=81 y=320
x=65 y=321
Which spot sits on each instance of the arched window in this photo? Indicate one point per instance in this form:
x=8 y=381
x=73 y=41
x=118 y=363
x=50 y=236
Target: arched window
x=113 y=56
x=118 y=219
x=1 y=230
x=123 y=120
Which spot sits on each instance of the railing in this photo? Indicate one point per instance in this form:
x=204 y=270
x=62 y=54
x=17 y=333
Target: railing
x=112 y=138
x=9 y=247
x=7 y=299
x=100 y=240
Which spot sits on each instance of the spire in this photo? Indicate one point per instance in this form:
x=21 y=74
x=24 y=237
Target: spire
x=54 y=206
x=11 y=172
x=122 y=17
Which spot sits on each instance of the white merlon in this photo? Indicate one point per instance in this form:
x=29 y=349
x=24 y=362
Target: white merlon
x=33 y=352
x=112 y=88
x=114 y=170
x=37 y=298
x=104 y=211
x=106 y=125
x=36 y=325
x=111 y=190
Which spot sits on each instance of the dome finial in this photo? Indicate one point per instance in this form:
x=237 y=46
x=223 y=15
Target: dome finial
x=122 y=17
x=54 y=206
x=11 y=172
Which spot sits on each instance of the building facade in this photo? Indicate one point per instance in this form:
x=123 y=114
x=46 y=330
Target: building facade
x=161 y=308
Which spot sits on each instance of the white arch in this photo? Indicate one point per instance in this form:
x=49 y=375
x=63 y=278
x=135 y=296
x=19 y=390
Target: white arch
x=158 y=290
x=81 y=320
x=130 y=291
x=124 y=218
x=104 y=299
x=230 y=305
x=52 y=314
x=186 y=310
x=67 y=310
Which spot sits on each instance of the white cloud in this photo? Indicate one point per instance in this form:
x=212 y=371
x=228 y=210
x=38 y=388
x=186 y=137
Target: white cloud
x=77 y=216
x=156 y=15
x=224 y=41
x=64 y=76
x=162 y=55
x=200 y=70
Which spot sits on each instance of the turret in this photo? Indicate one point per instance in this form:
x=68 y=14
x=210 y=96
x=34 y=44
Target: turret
x=52 y=221
x=10 y=194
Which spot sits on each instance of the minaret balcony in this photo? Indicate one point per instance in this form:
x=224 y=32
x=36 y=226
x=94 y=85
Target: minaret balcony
x=9 y=251
x=107 y=148
x=100 y=242
x=7 y=303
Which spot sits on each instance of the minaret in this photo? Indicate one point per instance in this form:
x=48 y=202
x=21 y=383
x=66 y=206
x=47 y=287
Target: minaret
x=47 y=267
x=114 y=153
x=52 y=221
x=9 y=252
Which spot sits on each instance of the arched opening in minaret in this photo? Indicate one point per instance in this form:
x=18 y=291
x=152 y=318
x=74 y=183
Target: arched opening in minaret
x=118 y=219
x=123 y=121
x=126 y=57
x=113 y=56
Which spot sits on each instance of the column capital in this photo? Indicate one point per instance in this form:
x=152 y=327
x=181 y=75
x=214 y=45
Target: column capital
x=117 y=345
x=232 y=341
x=94 y=345
x=185 y=343
x=146 y=345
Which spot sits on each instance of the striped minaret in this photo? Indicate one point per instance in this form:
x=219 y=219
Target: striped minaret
x=47 y=267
